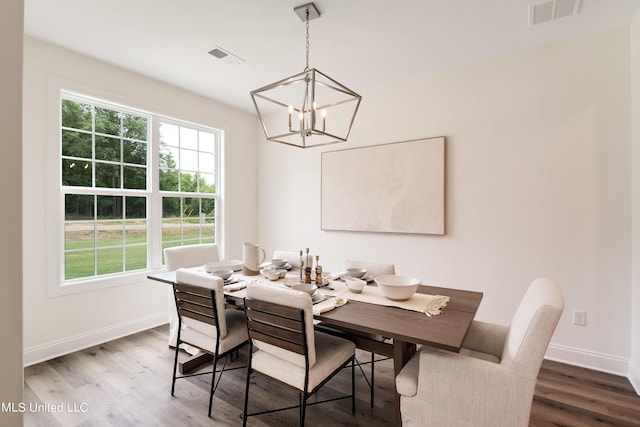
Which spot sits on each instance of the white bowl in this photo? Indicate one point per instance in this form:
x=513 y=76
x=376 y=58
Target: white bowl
x=305 y=287
x=279 y=262
x=273 y=275
x=223 y=274
x=355 y=285
x=397 y=288
x=356 y=272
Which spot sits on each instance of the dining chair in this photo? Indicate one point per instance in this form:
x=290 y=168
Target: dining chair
x=492 y=380
x=182 y=257
x=199 y=302
x=363 y=340
x=288 y=349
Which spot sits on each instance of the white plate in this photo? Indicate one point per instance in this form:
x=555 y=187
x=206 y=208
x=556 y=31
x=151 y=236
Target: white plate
x=367 y=277
x=230 y=280
x=318 y=297
x=222 y=265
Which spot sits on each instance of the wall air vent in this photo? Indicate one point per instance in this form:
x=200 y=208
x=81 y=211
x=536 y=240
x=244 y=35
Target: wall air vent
x=549 y=10
x=226 y=56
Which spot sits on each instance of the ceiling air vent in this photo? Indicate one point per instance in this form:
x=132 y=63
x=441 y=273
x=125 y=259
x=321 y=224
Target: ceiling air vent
x=226 y=56
x=549 y=10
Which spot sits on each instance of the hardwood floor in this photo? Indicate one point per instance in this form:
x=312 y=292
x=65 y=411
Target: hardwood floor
x=127 y=382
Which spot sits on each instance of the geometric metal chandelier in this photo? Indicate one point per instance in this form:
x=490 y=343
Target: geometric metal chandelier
x=308 y=109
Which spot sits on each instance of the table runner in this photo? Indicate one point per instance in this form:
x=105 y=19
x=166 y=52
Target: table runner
x=431 y=305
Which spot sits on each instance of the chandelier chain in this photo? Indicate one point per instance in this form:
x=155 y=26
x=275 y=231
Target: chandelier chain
x=307 y=46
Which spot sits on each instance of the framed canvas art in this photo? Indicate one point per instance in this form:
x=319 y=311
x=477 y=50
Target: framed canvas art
x=393 y=188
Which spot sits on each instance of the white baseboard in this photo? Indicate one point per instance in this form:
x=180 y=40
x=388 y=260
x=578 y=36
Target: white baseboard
x=634 y=378
x=68 y=345
x=588 y=359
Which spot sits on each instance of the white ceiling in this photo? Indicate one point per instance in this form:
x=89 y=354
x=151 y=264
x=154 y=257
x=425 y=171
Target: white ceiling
x=361 y=43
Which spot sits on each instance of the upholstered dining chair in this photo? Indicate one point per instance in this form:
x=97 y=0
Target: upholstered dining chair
x=492 y=381
x=374 y=269
x=199 y=301
x=287 y=349
x=183 y=257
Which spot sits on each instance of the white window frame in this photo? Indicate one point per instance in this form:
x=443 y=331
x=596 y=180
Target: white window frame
x=55 y=196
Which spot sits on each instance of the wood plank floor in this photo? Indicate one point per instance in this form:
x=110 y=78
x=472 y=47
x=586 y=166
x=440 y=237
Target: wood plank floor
x=127 y=382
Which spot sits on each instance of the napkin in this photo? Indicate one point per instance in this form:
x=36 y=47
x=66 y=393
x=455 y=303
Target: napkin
x=328 y=305
x=235 y=286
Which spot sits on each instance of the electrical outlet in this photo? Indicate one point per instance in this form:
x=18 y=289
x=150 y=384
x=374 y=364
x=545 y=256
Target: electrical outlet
x=579 y=317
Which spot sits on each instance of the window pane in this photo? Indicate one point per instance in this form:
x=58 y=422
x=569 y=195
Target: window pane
x=169 y=134
x=136 y=207
x=134 y=152
x=190 y=229
x=109 y=233
x=107 y=175
x=76 y=115
x=136 y=257
x=170 y=207
x=79 y=264
x=171 y=230
x=188 y=138
x=107 y=121
x=188 y=160
x=206 y=184
x=78 y=235
x=134 y=127
x=136 y=232
x=208 y=208
x=76 y=144
x=76 y=173
x=168 y=180
x=207 y=142
x=207 y=163
x=134 y=177
x=110 y=260
x=169 y=157
x=188 y=183
x=108 y=149
x=109 y=207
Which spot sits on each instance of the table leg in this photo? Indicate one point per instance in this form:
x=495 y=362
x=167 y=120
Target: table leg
x=402 y=352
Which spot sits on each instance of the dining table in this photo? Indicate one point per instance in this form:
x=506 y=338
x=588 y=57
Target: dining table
x=402 y=330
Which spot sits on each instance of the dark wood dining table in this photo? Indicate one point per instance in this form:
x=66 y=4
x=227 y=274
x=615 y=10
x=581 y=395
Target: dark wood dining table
x=404 y=328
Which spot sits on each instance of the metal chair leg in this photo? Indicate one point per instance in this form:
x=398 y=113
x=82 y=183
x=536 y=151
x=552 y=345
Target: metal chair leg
x=372 y=377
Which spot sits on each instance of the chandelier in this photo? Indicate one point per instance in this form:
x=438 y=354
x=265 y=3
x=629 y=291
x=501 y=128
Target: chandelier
x=308 y=109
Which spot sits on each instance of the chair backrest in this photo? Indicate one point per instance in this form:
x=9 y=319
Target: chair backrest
x=373 y=268
x=200 y=301
x=279 y=321
x=532 y=327
x=190 y=255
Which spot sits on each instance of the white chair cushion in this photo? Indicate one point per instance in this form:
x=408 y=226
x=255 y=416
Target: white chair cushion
x=331 y=353
x=236 y=333
x=290 y=298
x=205 y=280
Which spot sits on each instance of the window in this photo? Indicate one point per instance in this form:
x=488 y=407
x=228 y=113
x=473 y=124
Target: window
x=111 y=192
x=187 y=184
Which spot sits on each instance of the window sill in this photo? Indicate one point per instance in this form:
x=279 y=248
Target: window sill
x=97 y=283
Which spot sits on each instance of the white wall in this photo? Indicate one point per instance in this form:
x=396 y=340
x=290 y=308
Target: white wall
x=11 y=19
x=634 y=365
x=538 y=184
x=57 y=325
